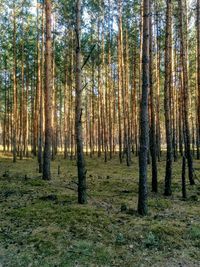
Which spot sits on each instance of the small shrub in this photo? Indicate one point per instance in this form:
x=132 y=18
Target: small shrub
x=195 y=232
x=151 y=241
x=120 y=239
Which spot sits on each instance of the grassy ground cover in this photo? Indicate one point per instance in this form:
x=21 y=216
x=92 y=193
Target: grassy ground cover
x=41 y=223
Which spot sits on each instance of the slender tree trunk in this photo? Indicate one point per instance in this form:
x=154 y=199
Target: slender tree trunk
x=5 y=121
x=126 y=102
x=134 y=106
x=22 y=105
x=40 y=141
x=82 y=196
x=54 y=101
x=8 y=118
x=167 y=90
x=183 y=42
x=144 y=123
x=120 y=78
x=153 y=123
x=174 y=114
x=110 y=85
x=184 y=194
x=66 y=113
x=26 y=112
x=48 y=95
x=14 y=134
x=99 y=95
x=198 y=79
x=37 y=93
x=158 y=56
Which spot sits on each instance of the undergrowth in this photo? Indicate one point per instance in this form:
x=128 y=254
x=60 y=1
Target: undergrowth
x=41 y=223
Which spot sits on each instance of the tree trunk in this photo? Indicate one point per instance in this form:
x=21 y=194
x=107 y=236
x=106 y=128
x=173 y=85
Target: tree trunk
x=184 y=194
x=48 y=94
x=153 y=145
x=14 y=134
x=144 y=123
x=167 y=89
x=198 y=79
x=184 y=60
x=40 y=139
x=120 y=78
x=82 y=196
x=158 y=58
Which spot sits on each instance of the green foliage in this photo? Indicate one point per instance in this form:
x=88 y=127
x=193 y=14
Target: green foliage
x=151 y=241
x=194 y=234
x=120 y=239
x=160 y=203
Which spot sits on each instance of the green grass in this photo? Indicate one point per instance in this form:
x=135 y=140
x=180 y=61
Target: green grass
x=41 y=223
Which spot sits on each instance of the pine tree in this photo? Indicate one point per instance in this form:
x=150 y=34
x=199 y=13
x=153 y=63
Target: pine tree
x=48 y=94
x=144 y=123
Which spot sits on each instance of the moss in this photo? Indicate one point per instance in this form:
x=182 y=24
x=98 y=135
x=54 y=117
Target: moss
x=42 y=224
x=194 y=232
x=171 y=235
x=194 y=235
x=160 y=203
x=36 y=182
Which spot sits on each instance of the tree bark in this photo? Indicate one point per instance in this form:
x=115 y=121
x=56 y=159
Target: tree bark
x=40 y=138
x=48 y=94
x=82 y=195
x=184 y=61
x=167 y=89
x=144 y=122
x=14 y=134
x=120 y=78
x=198 y=79
x=153 y=146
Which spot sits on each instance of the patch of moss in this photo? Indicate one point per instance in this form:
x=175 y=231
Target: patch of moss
x=42 y=224
x=160 y=203
x=194 y=235
x=36 y=182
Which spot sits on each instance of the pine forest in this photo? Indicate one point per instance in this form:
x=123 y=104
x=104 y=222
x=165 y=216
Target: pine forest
x=99 y=133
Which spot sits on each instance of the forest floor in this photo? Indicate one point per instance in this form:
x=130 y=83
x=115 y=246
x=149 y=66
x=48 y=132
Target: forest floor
x=41 y=223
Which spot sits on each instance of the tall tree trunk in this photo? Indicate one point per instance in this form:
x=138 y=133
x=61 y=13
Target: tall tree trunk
x=82 y=196
x=26 y=112
x=158 y=57
x=173 y=106
x=198 y=79
x=167 y=89
x=48 y=94
x=54 y=101
x=99 y=138
x=126 y=102
x=22 y=104
x=184 y=194
x=40 y=138
x=66 y=113
x=5 y=121
x=184 y=62
x=144 y=123
x=110 y=84
x=14 y=134
x=8 y=106
x=120 y=78
x=37 y=93
x=153 y=145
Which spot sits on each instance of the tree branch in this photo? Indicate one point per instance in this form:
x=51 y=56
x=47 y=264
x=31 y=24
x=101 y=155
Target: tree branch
x=88 y=57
